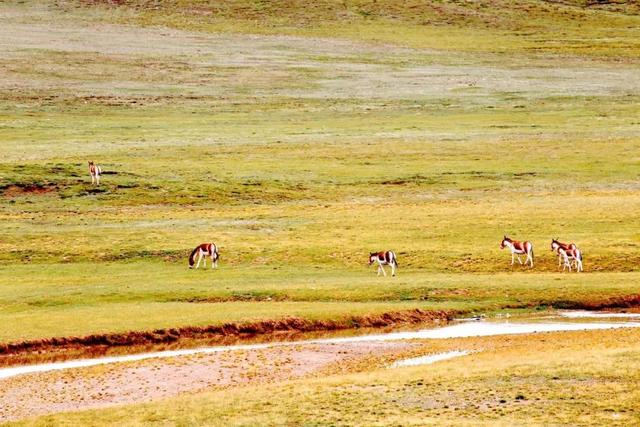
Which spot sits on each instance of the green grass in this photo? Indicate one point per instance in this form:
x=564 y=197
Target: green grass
x=299 y=155
x=50 y=300
x=300 y=136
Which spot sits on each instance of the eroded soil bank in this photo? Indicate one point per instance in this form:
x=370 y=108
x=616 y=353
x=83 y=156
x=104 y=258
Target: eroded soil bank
x=292 y=328
x=64 y=348
x=122 y=381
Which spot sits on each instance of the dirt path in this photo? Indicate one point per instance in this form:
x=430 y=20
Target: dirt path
x=77 y=389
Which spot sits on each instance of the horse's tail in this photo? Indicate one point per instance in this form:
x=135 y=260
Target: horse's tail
x=395 y=259
x=99 y=170
x=531 y=254
x=192 y=257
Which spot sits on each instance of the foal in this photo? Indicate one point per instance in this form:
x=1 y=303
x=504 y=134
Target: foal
x=95 y=171
x=518 y=248
x=202 y=251
x=384 y=258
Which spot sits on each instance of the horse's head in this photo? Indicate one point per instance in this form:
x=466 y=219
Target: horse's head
x=372 y=257
x=504 y=242
x=90 y=163
x=555 y=244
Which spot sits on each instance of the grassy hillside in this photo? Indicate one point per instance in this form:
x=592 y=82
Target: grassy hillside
x=588 y=28
x=299 y=142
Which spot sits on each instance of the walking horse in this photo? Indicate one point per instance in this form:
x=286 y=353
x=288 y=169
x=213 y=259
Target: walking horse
x=384 y=258
x=567 y=252
x=202 y=251
x=518 y=248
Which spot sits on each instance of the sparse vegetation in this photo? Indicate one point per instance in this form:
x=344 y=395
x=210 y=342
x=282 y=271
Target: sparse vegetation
x=525 y=380
x=299 y=137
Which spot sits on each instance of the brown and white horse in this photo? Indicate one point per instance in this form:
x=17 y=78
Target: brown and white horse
x=567 y=253
x=202 y=251
x=518 y=248
x=556 y=245
x=384 y=258
x=95 y=171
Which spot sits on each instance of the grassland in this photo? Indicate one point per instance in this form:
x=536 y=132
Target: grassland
x=299 y=137
x=298 y=148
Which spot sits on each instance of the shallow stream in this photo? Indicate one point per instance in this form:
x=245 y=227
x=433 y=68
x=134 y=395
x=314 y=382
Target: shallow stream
x=459 y=329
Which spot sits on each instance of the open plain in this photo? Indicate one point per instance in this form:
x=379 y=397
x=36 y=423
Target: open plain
x=300 y=137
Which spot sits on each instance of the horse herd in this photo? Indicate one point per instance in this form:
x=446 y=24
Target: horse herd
x=568 y=253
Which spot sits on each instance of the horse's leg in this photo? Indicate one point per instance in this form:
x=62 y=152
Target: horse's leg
x=578 y=262
x=530 y=256
x=199 y=259
x=384 y=273
x=519 y=260
x=513 y=259
x=97 y=179
x=393 y=269
x=213 y=263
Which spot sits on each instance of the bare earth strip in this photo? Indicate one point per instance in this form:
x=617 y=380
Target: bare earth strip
x=76 y=389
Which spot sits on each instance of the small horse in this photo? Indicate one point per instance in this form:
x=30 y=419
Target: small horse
x=203 y=250
x=567 y=253
x=556 y=245
x=95 y=171
x=518 y=248
x=384 y=258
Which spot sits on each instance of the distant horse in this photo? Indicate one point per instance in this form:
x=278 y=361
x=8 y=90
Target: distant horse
x=518 y=248
x=556 y=245
x=567 y=253
x=384 y=258
x=95 y=171
x=202 y=251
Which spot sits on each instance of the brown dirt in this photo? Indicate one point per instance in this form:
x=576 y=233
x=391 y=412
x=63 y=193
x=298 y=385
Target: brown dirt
x=85 y=388
x=12 y=191
x=628 y=301
x=61 y=348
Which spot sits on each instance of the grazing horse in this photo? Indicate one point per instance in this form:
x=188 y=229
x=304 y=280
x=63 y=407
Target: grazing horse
x=567 y=253
x=384 y=258
x=95 y=171
x=517 y=249
x=203 y=250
